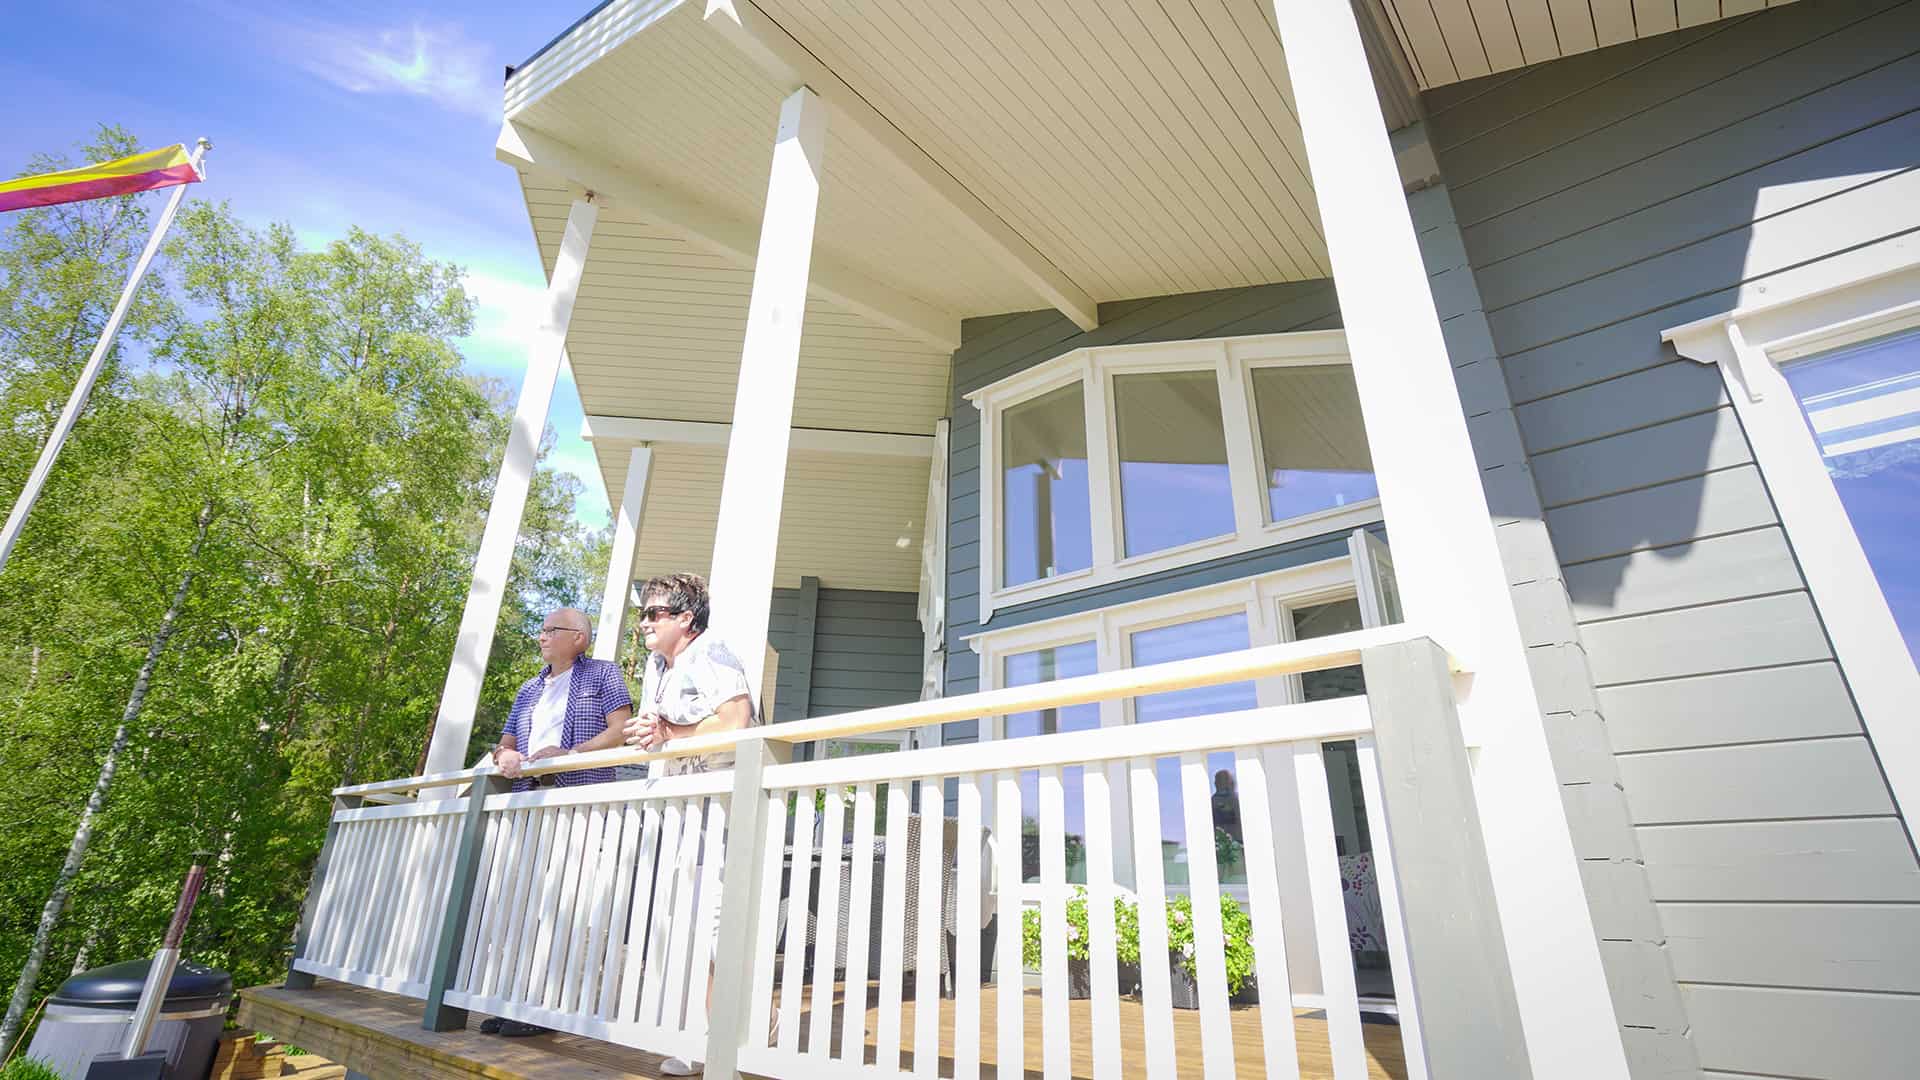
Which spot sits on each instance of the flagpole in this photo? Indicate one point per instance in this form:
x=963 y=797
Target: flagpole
x=17 y=520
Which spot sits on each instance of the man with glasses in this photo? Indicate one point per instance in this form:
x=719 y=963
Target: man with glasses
x=574 y=706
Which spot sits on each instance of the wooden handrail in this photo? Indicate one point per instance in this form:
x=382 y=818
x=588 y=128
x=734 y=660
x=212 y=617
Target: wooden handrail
x=1286 y=658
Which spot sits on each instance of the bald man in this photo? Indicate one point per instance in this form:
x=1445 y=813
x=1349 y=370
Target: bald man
x=575 y=705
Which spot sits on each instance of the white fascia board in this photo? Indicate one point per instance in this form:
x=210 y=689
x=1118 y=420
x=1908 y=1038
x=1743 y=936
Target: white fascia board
x=735 y=238
x=1296 y=345
x=633 y=429
x=768 y=45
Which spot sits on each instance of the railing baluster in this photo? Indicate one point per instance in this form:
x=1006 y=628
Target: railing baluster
x=705 y=916
x=1257 y=809
x=1009 y=969
x=485 y=904
x=1388 y=885
x=470 y=835
x=826 y=938
x=966 y=931
x=1102 y=946
x=792 y=974
x=741 y=968
x=659 y=933
x=893 y=940
x=576 y=905
x=1344 y=1038
x=1056 y=1043
x=926 y=986
x=323 y=890
x=505 y=934
x=368 y=926
x=767 y=921
x=546 y=916
x=420 y=970
x=640 y=919
x=673 y=1009
x=623 y=820
x=1216 y=1032
x=853 y=1030
x=529 y=911
x=1156 y=991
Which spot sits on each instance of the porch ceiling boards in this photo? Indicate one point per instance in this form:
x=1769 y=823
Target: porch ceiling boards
x=843 y=518
x=1449 y=41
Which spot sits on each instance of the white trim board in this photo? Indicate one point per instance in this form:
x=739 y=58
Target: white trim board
x=646 y=431
x=1839 y=301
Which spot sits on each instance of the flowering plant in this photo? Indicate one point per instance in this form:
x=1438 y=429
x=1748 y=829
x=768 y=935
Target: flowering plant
x=1235 y=924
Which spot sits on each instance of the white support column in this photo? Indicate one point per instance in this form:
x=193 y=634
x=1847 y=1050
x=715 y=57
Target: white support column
x=626 y=533
x=1450 y=576
x=544 y=356
x=748 y=532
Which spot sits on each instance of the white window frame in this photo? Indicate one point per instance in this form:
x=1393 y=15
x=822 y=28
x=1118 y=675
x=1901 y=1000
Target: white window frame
x=1842 y=300
x=1262 y=598
x=1094 y=368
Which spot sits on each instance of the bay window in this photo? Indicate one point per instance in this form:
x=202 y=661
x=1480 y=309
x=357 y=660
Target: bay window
x=1110 y=463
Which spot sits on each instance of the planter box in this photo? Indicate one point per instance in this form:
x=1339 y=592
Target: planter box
x=1080 y=979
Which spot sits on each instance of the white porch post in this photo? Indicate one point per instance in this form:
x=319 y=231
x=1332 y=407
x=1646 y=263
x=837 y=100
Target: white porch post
x=461 y=697
x=626 y=533
x=756 y=475
x=1450 y=576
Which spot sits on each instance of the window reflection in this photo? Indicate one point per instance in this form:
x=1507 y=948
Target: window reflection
x=1182 y=641
x=1863 y=404
x=1045 y=665
x=1046 y=523
x=1312 y=441
x=1174 y=483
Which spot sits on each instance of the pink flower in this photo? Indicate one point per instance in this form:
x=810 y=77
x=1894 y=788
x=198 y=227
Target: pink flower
x=1179 y=916
x=1073 y=932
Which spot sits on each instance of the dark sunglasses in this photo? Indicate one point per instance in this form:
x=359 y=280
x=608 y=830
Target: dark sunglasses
x=657 y=612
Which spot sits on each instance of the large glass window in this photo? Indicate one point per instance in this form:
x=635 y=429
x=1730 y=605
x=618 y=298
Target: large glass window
x=1045 y=665
x=1174 y=483
x=1863 y=404
x=1313 y=445
x=1182 y=641
x=1046 y=523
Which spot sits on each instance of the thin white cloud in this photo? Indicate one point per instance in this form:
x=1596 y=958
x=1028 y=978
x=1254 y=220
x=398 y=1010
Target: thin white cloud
x=435 y=60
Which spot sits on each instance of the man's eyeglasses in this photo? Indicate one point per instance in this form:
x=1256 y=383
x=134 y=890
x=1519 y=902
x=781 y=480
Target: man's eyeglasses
x=560 y=629
x=658 y=612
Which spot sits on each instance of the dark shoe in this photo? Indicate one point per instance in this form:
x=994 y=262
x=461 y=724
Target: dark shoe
x=514 y=1029
x=491 y=1025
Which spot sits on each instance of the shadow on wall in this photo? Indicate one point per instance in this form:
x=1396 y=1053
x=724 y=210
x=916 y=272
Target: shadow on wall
x=1665 y=181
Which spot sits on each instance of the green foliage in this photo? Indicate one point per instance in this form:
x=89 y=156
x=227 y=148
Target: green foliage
x=314 y=405
x=1236 y=924
x=26 y=1068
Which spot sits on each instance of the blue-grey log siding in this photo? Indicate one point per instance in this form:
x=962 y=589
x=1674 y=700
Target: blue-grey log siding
x=998 y=346
x=1600 y=200
x=864 y=650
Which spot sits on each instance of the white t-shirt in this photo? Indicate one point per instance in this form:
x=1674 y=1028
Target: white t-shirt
x=550 y=713
x=703 y=677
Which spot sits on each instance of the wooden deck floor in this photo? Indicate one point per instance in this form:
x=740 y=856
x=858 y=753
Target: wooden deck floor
x=379 y=1035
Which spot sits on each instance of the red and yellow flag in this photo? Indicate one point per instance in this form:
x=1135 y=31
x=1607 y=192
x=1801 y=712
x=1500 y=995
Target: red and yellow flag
x=140 y=172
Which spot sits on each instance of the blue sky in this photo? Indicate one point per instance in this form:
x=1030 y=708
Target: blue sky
x=322 y=116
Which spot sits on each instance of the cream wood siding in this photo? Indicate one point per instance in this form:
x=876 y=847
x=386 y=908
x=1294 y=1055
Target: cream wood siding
x=659 y=323
x=1145 y=148
x=1451 y=41
x=842 y=519
x=679 y=107
x=1601 y=200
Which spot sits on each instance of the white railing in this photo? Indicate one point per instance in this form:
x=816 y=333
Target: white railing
x=592 y=909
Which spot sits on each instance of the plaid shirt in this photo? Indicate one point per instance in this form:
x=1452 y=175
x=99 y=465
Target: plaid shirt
x=597 y=689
